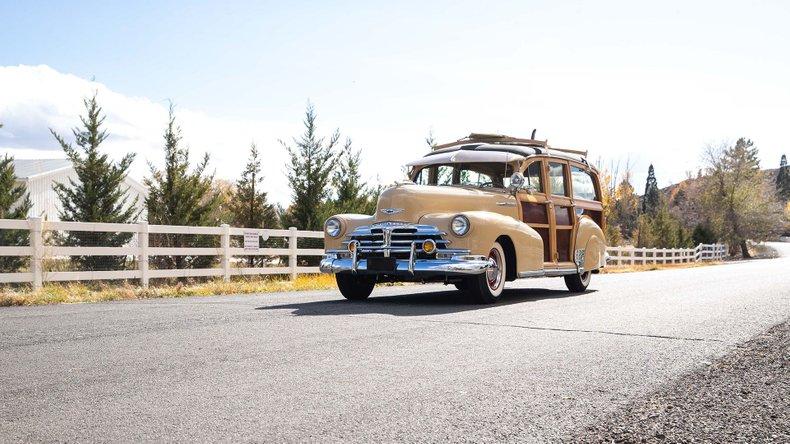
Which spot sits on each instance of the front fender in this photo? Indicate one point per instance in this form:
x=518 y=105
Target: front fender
x=485 y=228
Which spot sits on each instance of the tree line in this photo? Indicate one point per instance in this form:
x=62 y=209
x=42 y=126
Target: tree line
x=730 y=200
x=324 y=178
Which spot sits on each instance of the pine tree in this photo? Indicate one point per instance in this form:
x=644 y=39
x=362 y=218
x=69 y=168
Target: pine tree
x=352 y=195
x=661 y=230
x=736 y=197
x=312 y=160
x=652 y=197
x=702 y=234
x=98 y=194
x=249 y=206
x=180 y=195
x=783 y=180
x=14 y=204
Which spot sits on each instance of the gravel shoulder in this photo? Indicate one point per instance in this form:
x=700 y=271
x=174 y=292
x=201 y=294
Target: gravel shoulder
x=742 y=397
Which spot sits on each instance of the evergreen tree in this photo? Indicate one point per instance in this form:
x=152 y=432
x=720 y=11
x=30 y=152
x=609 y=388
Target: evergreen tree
x=740 y=204
x=249 y=206
x=14 y=204
x=783 y=180
x=352 y=195
x=312 y=160
x=661 y=229
x=97 y=194
x=181 y=195
x=652 y=197
x=702 y=234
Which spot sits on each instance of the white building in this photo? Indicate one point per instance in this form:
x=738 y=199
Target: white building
x=39 y=175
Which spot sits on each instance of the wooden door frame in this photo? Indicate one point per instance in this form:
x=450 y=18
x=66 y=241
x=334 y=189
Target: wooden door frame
x=564 y=201
x=542 y=198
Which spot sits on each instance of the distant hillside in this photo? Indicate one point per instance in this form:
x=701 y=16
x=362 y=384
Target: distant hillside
x=671 y=190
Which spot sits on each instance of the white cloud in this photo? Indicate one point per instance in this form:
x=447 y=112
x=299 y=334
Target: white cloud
x=36 y=98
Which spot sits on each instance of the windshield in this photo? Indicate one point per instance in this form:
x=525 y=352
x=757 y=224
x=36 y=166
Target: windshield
x=480 y=174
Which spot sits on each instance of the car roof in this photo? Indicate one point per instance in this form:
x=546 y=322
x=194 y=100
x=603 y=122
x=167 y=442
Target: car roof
x=520 y=150
x=468 y=156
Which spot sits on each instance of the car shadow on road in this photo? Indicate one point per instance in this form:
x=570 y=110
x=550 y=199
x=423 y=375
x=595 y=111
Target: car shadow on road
x=419 y=304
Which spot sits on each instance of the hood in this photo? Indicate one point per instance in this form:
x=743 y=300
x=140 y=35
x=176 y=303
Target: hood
x=409 y=202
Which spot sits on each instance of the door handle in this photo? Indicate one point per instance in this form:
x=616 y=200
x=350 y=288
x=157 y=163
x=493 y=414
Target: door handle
x=506 y=204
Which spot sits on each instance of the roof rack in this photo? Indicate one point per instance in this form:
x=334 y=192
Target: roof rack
x=493 y=138
x=582 y=153
x=507 y=140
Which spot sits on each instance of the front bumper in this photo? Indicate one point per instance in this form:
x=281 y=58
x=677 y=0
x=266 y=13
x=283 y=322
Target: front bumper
x=459 y=265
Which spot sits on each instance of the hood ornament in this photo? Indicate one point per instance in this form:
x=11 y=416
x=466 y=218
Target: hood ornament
x=391 y=211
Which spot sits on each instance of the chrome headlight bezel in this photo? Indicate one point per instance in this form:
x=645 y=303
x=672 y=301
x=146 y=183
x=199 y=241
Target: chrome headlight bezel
x=460 y=225
x=333 y=227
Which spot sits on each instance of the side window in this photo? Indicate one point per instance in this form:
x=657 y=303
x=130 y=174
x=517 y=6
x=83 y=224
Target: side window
x=583 y=187
x=532 y=177
x=422 y=177
x=557 y=179
x=444 y=175
x=476 y=178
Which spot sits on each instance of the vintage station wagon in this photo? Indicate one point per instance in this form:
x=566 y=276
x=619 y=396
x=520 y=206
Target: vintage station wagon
x=476 y=213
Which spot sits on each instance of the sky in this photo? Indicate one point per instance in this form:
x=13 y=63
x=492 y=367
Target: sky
x=633 y=83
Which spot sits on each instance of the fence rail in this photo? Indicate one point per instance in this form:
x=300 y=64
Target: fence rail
x=142 y=251
x=644 y=256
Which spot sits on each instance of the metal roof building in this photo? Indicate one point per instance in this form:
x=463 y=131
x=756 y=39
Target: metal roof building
x=39 y=175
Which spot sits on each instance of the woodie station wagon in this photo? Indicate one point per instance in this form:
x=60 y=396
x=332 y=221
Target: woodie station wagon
x=476 y=213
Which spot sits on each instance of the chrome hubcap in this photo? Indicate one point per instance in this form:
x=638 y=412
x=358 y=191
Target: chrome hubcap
x=494 y=273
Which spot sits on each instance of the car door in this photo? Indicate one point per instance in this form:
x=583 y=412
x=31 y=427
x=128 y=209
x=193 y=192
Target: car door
x=562 y=215
x=535 y=204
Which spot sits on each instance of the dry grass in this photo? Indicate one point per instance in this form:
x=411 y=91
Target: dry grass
x=67 y=293
x=612 y=269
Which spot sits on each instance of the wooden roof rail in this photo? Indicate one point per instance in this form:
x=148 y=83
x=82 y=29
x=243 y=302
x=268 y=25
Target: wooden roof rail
x=507 y=140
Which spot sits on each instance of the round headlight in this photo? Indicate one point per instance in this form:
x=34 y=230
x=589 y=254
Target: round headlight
x=460 y=225
x=332 y=227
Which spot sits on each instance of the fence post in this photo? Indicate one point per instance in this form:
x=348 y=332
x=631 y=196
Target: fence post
x=225 y=252
x=292 y=239
x=37 y=251
x=142 y=243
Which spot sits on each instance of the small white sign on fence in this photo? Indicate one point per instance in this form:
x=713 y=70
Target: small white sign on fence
x=252 y=240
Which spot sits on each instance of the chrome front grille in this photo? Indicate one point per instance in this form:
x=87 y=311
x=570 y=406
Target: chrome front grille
x=393 y=239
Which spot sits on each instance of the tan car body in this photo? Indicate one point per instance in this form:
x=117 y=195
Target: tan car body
x=497 y=214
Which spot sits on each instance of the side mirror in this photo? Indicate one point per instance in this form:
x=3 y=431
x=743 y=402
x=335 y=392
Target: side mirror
x=516 y=182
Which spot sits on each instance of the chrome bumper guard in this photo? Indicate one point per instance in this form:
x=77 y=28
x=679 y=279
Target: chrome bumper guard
x=447 y=262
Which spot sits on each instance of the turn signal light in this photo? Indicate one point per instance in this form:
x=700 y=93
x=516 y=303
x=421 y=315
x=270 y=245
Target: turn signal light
x=352 y=246
x=429 y=246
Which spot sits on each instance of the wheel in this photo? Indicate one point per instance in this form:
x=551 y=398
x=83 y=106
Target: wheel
x=578 y=282
x=487 y=287
x=355 y=287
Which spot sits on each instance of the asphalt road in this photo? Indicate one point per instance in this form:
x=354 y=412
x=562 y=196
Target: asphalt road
x=411 y=363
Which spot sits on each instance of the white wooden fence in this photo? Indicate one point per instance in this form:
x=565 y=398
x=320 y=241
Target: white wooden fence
x=644 y=256
x=37 y=251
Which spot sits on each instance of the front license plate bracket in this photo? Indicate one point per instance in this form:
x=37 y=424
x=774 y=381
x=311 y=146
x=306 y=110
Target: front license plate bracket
x=382 y=264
